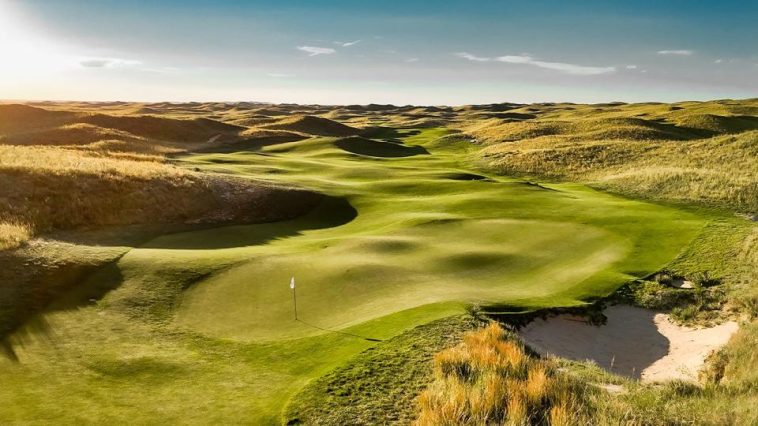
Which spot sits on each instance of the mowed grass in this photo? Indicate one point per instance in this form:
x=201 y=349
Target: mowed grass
x=200 y=328
x=421 y=236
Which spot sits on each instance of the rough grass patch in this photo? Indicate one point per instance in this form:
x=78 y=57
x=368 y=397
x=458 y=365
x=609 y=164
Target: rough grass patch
x=13 y=234
x=501 y=384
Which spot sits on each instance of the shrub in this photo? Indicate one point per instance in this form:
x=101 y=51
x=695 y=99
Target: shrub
x=13 y=234
x=490 y=379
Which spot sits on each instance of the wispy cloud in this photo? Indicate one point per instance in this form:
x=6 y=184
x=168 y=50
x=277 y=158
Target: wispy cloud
x=471 y=57
x=528 y=60
x=557 y=66
x=107 y=62
x=631 y=67
x=682 y=52
x=411 y=60
x=315 y=50
x=347 y=44
x=718 y=61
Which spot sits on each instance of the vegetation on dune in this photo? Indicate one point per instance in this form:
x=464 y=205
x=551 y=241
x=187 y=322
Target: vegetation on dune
x=314 y=126
x=13 y=234
x=89 y=128
x=164 y=129
x=76 y=135
x=719 y=268
x=683 y=155
x=490 y=379
x=19 y=118
x=47 y=188
x=718 y=172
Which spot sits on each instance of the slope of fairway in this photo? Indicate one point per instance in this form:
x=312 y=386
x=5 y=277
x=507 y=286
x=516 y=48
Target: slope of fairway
x=419 y=239
x=204 y=319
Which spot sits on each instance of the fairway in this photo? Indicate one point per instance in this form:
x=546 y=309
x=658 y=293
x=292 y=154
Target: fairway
x=427 y=230
x=411 y=231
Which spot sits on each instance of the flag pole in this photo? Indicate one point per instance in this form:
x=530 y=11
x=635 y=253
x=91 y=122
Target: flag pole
x=294 y=295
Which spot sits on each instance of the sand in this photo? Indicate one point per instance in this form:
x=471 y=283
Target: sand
x=635 y=342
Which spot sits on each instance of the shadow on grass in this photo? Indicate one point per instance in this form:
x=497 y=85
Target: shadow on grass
x=49 y=278
x=370 y=339
x=381 y=149
x=388 y=133
x=329 y=213
x=252 y=144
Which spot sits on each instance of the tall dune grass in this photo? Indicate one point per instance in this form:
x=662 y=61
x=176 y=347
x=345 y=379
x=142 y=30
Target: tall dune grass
x=720 y=171
x=690 y=152
x=490 y=379
x=13 y=234
x=49 y=188
x=53 y=160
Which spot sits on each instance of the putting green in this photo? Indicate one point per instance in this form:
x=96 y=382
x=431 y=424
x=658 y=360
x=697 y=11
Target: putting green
x=409 y=233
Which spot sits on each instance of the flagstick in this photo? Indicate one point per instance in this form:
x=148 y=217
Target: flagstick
x=294 y=294
x=294 y=299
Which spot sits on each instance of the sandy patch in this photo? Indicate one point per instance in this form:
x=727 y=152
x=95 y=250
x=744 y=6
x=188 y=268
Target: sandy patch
x=635 y=342
x=682 y=283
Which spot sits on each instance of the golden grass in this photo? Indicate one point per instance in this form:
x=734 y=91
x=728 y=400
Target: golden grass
x=69 y=134
x=59 y=161
x=50 y=188
x=13 y=234
x=490 y=379
x=691 y=152
x=719 y=171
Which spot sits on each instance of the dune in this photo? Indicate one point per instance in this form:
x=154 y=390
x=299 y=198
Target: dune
x=719 y=124
x=16 y=117
x=635 y=342
x=251 y=121
x=271 y=112
x=146 y=110
x=256 y=133
x=72 y=134
x=313 y=125
x=164 y=129
x=256 y=138
x=374 y=148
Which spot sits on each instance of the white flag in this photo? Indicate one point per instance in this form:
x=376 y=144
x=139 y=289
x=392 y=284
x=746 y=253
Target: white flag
x=292 y=283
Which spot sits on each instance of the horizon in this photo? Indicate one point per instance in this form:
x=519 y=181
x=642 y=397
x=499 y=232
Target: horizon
x=116 y=101
x=414 y=53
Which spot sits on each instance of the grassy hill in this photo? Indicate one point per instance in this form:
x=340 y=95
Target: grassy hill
x=313 y=125
x=692 y=152
x=91 y=129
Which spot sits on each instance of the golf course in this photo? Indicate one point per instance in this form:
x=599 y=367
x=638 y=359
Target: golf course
x=413 y=213
x=199 y=325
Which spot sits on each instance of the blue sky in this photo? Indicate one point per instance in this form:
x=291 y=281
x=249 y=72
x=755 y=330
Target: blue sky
x=419 y=52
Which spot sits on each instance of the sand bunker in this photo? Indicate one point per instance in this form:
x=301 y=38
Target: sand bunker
x=635 y=342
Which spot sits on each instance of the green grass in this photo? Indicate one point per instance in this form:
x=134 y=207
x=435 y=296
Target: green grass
x=380 y=385
x=200 y=328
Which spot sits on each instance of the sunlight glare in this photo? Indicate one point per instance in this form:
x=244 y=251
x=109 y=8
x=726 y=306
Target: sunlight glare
x=25 y=55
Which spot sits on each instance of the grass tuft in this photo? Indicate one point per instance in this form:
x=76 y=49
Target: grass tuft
x=13 y=234
x=490 y=379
